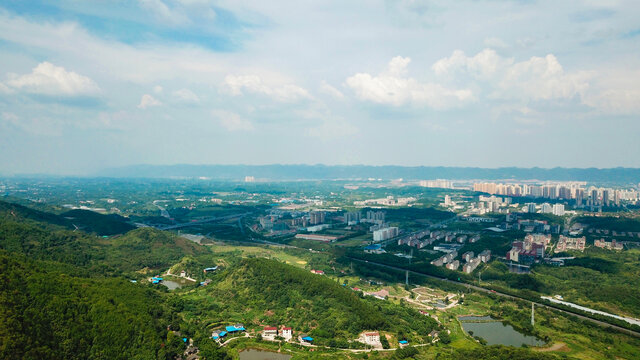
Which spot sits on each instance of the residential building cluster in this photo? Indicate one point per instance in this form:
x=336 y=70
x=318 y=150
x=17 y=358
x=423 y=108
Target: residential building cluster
x=567 y=243
x=609 y=245
x=423 y=238
x=487 y=204
x=418 y=239
x=440 y=183
x=615 y=233
x=280 y=221
x=589 y=197
x=388 y=201
x=529 y=250
x=471 y=263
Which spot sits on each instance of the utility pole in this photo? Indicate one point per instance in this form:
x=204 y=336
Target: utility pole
x=406 y=280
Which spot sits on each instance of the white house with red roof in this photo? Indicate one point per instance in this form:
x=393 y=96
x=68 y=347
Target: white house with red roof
x=286 y=333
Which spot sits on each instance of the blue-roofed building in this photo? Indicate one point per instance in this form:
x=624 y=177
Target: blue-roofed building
x=403 y=342
x=306 y=339
x=218 y=334
x=235 y=328
x=374 y=249
x=184 y=339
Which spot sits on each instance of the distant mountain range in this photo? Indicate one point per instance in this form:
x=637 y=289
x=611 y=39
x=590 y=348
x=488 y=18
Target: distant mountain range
x=353 y=172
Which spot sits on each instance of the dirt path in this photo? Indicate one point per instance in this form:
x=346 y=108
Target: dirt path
x=559 y=346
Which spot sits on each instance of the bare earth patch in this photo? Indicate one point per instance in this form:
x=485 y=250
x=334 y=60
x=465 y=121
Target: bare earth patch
x=559 y=346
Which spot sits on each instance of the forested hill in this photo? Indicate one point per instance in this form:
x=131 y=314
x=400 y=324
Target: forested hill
x=85 y=220
x=326 y=172
x=314 y=304
x=23 y=231
x=46 y=313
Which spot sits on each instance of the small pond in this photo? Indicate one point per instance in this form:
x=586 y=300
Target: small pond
x=172 y=285
x=253 y=354
x=497 y=333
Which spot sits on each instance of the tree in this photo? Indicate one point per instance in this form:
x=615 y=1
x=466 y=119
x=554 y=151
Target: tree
x=384 y=342
x=444 y=337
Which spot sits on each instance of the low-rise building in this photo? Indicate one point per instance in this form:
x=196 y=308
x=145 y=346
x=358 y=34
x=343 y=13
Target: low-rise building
x=566 y=243
x=372 y=338
x=485 y=256
x=270 y=332
x=286 y=333
x=613 y=245
x=471 y=265
x=453 y=265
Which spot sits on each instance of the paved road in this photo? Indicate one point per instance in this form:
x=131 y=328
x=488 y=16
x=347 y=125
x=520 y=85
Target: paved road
x=512 y=297
x=203 y=221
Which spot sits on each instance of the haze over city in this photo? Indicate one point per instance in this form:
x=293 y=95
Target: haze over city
x=91 y=85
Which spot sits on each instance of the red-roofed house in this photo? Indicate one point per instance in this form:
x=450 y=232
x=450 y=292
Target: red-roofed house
x=270 y=331
x=286 y=333
x=372 y=338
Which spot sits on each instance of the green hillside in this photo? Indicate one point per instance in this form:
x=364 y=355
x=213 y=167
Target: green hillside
x=85 y=220
x=136 y=250
x=49 y=314
x=261 y=292
x=93 y=222
x=19 y=213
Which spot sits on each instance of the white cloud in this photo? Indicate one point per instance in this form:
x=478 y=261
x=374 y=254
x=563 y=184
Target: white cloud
x=393 y=87
x=238 y=84
x=483 y=65
x=48 y=79
x=615 y=92
x=148 y=101
x=539 y=78
x=330 y=90
x=232 y=121
x=186 y=96
x=157 y=89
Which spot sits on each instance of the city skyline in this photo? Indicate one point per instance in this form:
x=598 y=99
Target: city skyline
x=89 y=86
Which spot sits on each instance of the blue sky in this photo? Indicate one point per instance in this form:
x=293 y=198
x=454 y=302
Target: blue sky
x=86 y=85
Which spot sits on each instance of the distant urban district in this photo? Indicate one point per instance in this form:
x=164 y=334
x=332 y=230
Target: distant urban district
x=195 y=268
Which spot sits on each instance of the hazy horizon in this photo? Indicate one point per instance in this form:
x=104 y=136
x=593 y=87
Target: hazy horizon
x=87 y=86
